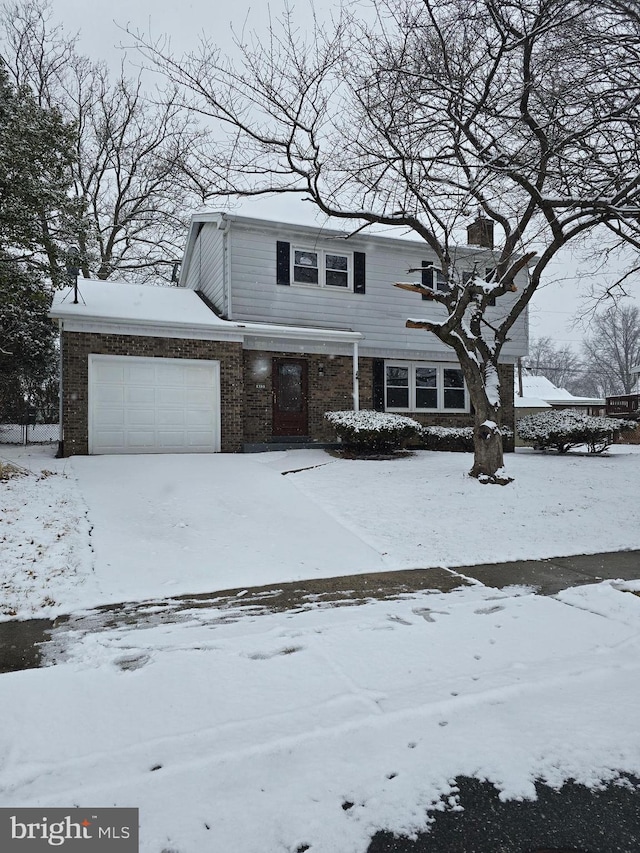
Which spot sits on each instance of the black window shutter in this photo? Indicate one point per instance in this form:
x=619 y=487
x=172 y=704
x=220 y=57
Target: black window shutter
x=283 y=260
x=427 y=276
x=359 y=272
x=378 y=385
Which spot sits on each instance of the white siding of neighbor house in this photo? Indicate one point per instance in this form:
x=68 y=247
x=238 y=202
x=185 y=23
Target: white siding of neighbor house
x=207 y=268
x=380 y=314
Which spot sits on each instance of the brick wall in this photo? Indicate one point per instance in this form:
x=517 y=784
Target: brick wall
x=330 y=389
x=77 y=346
x=246 y=389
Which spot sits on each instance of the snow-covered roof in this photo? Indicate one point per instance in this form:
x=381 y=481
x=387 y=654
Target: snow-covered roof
x=530 y=403
x=144 y=303
x=115 y=303
x=543 y=389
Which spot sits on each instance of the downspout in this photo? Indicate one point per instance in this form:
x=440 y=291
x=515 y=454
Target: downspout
x=60 y=451
x=356 y=384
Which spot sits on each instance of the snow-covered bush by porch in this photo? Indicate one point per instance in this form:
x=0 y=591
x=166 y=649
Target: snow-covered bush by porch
x=562 y=430
x=454 y=438
x=369 y=432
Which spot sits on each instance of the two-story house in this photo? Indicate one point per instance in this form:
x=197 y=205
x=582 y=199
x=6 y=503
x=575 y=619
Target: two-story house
x=272 y=325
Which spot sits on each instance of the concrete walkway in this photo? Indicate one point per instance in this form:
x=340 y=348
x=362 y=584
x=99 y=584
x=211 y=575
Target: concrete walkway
x=546 y=577
x=21 y=641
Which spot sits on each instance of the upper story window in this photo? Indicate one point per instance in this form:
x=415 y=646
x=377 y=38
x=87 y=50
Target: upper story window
x=322 y=268
x=421 y=387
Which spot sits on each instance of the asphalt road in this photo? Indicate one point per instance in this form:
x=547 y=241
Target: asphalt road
x=574 y=819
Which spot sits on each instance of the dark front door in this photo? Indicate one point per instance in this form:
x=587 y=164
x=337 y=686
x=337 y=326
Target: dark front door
x=290 y=416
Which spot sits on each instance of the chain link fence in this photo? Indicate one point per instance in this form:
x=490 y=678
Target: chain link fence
x=29 y=433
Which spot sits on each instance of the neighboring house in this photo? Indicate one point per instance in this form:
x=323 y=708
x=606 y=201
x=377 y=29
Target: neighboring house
x=272 y=325
x=626 y=405
x=542 y=389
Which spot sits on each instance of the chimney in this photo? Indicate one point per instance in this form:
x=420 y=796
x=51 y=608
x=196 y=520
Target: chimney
x=480 y=233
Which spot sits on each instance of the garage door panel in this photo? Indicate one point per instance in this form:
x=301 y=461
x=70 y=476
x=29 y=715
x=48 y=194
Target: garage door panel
x=110 y=416
x=199 y=418
x=196 y=396
x=141 y=438
x=171 y=417
x=139 y=395
x=109 y=372
x=194 y=440
x=149 y=405
x=170 y=396
x=109 y=394
x=112 y=438
x=140 y=374
x=141 y=417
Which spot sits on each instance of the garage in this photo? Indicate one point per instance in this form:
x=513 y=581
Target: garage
x=153 y=405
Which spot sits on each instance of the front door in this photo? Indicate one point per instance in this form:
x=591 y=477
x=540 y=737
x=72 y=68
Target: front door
x=290 y=415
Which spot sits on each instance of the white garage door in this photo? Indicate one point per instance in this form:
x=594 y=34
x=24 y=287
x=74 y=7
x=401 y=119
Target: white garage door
x=153 y=405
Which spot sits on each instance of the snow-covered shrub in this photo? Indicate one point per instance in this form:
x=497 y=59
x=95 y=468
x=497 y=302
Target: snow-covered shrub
x=366 y=433
x=564 y=429
x=454 y=438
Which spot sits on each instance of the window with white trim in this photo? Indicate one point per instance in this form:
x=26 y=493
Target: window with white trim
x=418 y=386
x=320 y=268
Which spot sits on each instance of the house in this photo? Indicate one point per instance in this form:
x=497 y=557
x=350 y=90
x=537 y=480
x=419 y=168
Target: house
x=541 y=388
x=272 y=324
x=625 y=405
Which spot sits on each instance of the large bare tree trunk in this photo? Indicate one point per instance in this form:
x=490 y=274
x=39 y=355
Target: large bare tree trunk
x=488 y=458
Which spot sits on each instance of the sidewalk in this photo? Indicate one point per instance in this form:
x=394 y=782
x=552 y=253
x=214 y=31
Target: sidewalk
x=545 y=577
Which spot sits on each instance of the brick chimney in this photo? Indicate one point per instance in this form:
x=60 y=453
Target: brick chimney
x=480 y=233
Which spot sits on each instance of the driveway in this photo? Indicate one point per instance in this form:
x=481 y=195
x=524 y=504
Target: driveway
x=217 y=520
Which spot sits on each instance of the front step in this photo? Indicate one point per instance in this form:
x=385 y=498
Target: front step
x=287 y=443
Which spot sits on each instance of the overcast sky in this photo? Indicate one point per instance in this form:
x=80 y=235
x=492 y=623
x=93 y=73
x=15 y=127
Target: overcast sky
x=101 y=26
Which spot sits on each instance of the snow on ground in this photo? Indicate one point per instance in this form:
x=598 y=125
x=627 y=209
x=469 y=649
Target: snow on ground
x=311 y=730
x=115 y=528
x=282 y=731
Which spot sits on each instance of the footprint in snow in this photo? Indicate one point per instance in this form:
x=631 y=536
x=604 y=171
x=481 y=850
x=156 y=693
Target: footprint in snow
x=288 y=650
x=484 y=611
x=426 y=613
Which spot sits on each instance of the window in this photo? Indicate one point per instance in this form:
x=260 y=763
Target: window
x=322 y=269
x=434 y=278
x=421 y=387
x=442 y=285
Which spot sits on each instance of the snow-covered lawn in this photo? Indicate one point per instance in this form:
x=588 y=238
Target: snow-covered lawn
x=104 y=529
x=279 y=731
x=282 y=732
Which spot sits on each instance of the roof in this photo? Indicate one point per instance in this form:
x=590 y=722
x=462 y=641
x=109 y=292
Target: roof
x=144 y=303
x=543 y=389
x=530 y=403
x=174 y=308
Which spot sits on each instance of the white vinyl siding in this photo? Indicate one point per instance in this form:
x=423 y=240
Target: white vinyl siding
x=207 y=267
x=380 y=314
x=153 y=405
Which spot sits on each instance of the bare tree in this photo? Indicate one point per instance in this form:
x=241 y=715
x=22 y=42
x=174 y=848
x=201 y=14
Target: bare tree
x=131 y=171
x=561 y=365
x=611 y=350
x=526 y=111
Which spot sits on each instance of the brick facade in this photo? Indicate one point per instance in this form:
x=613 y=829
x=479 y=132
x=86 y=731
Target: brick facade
x=330 y=389
x=245 y=386
x=77 y=346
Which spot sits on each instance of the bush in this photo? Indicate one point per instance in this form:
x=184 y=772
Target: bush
x=368 y=433
x=562 y=430
x=457 y=439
